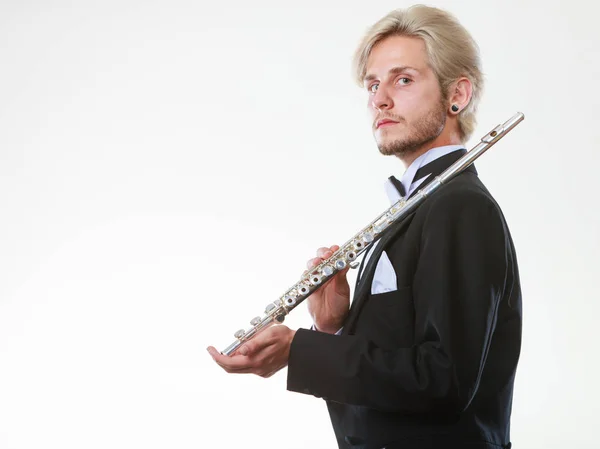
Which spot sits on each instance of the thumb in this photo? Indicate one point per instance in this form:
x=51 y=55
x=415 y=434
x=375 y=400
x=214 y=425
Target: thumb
x=344 y=272
x=247 y=349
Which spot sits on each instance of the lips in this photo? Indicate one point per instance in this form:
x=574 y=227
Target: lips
x=385 y=122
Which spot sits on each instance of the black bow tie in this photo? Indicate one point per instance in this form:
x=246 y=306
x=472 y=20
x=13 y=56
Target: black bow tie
x=398 y=185
x=436 y=166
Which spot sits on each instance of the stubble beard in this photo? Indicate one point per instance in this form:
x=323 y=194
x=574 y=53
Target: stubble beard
x=423 y=131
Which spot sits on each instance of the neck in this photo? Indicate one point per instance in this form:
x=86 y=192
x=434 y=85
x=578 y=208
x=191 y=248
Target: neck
x=446 y=137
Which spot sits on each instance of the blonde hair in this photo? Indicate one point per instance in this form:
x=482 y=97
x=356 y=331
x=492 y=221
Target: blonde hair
x=451 y=50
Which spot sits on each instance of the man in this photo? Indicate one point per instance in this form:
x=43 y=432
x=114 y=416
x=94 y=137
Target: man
x=427 y=354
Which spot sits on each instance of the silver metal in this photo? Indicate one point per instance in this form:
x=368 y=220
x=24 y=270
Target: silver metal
x=270 y=307
x=315 y=279
x=340 y=264
x=347 y=253
x=327 y=270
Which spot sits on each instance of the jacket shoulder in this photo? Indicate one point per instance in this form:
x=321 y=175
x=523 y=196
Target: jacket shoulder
x=463 y=194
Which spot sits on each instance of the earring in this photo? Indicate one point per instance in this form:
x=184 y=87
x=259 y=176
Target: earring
x=454 y=108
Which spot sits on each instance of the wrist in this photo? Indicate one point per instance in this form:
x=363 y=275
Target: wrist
x=290 y=338
x=291 y=335
x=331 y=329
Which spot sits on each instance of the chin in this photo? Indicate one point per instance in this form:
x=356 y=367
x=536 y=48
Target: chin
x=387 y=138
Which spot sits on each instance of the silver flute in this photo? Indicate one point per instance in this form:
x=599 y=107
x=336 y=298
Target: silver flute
x=347 y=254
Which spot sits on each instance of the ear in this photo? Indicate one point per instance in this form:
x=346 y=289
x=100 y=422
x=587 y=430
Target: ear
x=459 y=95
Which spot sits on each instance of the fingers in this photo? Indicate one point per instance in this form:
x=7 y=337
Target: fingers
x=322 y=254
x=255 y=346
x=236 y=363
x=264 y=355
x=231 y=364
x=313 y=262
x=240 y=364
x=242 y=359
x=325 y=253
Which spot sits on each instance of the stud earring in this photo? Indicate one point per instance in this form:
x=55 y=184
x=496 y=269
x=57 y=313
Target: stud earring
x=454 y=108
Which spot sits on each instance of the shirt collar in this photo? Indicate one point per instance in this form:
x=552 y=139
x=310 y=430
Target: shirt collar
x=408 y=181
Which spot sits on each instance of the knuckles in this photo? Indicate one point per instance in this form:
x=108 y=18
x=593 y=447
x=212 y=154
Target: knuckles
x=322 y=253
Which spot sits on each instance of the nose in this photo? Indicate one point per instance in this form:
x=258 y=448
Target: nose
x=381 y=100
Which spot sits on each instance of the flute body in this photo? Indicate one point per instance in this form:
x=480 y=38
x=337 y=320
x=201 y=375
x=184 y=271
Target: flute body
x=347 y=254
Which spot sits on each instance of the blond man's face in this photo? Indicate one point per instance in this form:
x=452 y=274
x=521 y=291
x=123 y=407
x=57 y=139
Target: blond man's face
x=405 y=101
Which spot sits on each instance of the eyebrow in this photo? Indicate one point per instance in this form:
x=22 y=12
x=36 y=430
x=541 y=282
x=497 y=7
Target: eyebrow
x=392 y=71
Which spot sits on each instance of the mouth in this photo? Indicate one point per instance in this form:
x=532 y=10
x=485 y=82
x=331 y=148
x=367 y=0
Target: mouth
x=385 y=122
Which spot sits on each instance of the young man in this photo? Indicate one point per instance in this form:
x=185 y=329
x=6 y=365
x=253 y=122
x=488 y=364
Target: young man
x=426 y=356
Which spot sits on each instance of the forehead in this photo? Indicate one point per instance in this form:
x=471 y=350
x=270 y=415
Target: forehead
x=397 y=51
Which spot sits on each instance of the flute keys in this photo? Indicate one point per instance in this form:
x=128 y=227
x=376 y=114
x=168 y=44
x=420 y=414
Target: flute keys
x=315 y=279
x=256 y=320
x=381 y=224
x=289 y=301
x=269 y=308
x=368 y=237
x=303 y=290
x=327 y=270
x=340 y=264
x=239 y=334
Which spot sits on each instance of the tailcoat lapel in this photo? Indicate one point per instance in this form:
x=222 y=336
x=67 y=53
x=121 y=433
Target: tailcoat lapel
x=367 y=271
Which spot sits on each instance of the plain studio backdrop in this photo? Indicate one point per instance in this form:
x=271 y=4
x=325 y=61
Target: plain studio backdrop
x=168 y=167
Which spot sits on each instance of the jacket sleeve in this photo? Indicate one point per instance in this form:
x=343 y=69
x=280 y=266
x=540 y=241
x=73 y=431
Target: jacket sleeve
x=457 y=286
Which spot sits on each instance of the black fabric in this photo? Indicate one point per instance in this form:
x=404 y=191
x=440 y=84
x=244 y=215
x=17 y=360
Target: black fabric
x=398 y=185
x=437 y=166
x=431 y=364
x=434 y=168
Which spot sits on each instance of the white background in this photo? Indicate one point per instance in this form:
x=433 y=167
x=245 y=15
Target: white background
x=167 y=168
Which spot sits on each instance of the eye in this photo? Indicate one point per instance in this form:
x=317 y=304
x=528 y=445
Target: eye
x=404 y=81
x=373 y=88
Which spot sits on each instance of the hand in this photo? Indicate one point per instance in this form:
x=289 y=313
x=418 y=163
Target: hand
x=329 y=305
x=263 y=355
